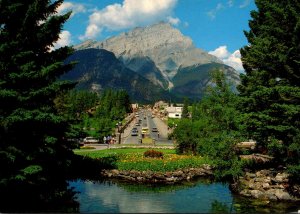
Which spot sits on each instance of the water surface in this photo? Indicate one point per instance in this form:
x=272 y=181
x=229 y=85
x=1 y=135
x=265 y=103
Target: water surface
x=197 y=197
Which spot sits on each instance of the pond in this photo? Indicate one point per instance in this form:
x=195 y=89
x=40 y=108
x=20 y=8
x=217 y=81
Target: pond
x=201 y=196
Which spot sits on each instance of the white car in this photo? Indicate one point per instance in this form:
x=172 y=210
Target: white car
x=90 y=140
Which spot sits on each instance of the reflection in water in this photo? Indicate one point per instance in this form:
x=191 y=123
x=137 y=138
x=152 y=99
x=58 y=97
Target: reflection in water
x=197 y=197
x=113 y=197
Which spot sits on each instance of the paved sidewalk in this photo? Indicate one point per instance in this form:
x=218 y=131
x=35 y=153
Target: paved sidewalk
x=162 y=127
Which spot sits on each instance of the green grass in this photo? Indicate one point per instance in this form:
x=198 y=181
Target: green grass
x=120 y=152
x=133 y=159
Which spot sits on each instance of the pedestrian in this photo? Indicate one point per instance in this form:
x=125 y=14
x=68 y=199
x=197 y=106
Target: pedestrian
x=104 y=139
x=157 y=134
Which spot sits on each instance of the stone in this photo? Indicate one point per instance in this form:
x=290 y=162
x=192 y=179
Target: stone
x=207 y=166
x=125 y=172
x=171 y=179
x=266 y=185
x=250 y=175
x=256 y=193
x=168 y=174
x=282 y=195
x=178 y=173
x=263 y=173
x=115 y=172
x=271 y=197
x=158 y=176
x=267 y=180
x=245 y=192
x=139 y=178
x=251 y=185
x=270 y=194
x=281 y=178
x=259 y=179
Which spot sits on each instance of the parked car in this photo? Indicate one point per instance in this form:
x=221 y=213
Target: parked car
x=91 y=140
x=137 y=124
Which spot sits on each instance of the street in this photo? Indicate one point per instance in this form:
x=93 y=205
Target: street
x=146 y=120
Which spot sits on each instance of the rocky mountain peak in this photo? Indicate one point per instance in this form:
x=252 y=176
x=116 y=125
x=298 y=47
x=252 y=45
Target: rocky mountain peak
x=142 y=41
x=162 y=43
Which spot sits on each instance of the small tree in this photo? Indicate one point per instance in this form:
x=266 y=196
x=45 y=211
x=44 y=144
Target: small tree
x=185 y=110
x=214 y=128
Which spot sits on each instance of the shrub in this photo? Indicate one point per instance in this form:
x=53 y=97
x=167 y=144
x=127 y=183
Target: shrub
x=87 y=147
x=153 y=154
x=85 y=167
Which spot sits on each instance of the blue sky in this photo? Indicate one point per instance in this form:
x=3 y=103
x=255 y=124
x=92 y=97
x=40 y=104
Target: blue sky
x=214 y=25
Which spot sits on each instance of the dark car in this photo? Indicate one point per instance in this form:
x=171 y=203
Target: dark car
x=154 y=129
x=134 y=132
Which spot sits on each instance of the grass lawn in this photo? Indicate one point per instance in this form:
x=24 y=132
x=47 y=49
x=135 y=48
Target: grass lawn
x=133 y=159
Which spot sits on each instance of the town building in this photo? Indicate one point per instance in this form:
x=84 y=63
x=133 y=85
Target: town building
x=174 y=112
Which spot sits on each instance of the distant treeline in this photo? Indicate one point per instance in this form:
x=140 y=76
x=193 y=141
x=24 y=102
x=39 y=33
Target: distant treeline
x=92 y=114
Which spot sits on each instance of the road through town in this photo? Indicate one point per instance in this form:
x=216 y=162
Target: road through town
x=144 y=119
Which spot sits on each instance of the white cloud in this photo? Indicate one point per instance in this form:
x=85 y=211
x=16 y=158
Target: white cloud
x=213 y=13
x=64 y=39
x=234 y=60
x=130 y=13
x=221 y=52
x=231 y=59
x=68 y=6
x=245 y=4
x=173 y=21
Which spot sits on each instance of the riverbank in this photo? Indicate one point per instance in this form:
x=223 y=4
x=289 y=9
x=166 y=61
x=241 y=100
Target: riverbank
x=129 y=164
x=267 y=185
x=160 y=177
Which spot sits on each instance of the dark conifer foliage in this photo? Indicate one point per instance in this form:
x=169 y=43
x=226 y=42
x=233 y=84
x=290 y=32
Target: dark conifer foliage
x=185 y=110
x=270 y=89
x=34 y=154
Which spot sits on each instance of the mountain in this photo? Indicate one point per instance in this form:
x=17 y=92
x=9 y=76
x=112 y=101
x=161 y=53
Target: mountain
x=98 y=69
x=191 y=81
x=163 y=55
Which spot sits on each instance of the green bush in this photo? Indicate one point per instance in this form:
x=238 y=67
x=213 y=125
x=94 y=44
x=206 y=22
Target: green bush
x=153 y=154
x=85 y=167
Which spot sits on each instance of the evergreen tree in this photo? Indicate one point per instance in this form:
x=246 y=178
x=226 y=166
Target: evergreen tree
x=185 y=110
x=270 y=93
x=34 y=154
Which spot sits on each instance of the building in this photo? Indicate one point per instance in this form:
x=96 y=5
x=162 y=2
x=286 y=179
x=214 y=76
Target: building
x=134 y=107
x=174 y=112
